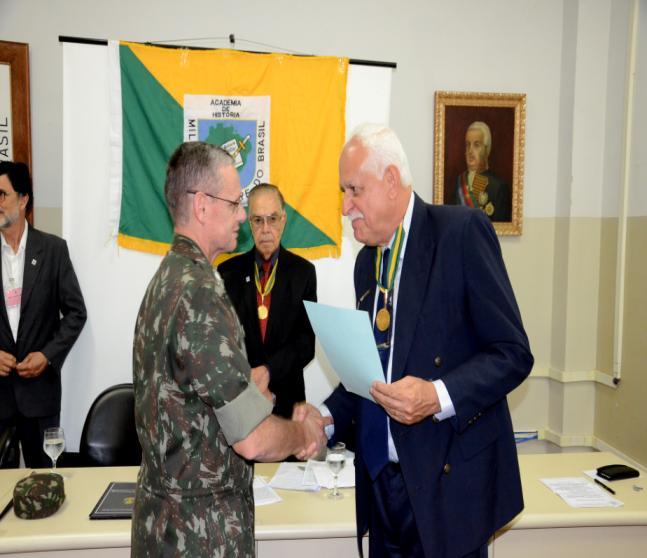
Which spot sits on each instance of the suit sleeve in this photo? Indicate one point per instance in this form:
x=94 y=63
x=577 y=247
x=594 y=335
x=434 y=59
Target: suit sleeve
x=504 y=359
x=71 y=307
x=342 y=404
x=300 y=350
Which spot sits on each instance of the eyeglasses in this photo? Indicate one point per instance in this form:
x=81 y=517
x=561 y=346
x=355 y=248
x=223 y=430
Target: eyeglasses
x=273 y=220
x=233 y=204
x=4 y=195
x=354 y=191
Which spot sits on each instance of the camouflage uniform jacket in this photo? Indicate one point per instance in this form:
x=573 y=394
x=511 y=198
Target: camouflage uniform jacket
x=193 y=400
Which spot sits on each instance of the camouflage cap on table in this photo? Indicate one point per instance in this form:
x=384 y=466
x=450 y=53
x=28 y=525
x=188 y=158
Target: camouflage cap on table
x=39 y=495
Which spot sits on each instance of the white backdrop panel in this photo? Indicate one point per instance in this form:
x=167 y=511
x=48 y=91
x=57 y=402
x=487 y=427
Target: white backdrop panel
x=113 y=280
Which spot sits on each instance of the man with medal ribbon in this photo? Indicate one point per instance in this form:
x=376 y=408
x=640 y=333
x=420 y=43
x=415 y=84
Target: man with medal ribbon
x=267 y=286
x=436 y=463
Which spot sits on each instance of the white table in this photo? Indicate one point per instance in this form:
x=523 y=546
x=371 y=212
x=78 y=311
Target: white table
x=308 y=524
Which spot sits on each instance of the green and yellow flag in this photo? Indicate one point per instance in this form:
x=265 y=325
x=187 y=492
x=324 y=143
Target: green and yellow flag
x=280 y=116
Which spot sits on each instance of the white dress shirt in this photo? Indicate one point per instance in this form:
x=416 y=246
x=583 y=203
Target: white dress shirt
x=13 y=267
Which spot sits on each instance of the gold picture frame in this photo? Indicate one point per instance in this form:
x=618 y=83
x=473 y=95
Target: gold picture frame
x=466 y=172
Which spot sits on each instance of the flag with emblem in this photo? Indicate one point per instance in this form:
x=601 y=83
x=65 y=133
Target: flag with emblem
x=281 y=118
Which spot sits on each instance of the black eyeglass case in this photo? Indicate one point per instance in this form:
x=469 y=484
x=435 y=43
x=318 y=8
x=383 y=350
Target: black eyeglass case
x=617 y=472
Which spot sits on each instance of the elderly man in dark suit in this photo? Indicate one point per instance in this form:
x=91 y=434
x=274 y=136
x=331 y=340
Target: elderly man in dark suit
x=42 y=313
x=267 y=286
x=436 y=463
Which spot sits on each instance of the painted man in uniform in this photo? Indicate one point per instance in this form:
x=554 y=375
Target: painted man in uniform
x=478 y=186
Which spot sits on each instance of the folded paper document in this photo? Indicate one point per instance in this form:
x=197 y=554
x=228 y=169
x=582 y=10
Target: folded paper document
x=346 y=337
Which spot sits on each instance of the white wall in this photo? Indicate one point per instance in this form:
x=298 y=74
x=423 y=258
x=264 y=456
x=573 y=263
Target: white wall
x=638 y=176
x=434 y=43
x=499 y=45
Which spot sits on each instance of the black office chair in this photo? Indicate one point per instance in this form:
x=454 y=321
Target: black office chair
x=9 y=457
x=109 y=437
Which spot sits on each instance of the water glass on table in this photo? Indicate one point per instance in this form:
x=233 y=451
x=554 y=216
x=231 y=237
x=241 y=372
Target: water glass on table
x=336 y=459
x=54 y=444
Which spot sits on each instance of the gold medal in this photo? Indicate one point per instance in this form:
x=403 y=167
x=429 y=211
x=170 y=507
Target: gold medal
x=385 y=278
x=262 y=312
x=489 y=209
x=483 y=199
x=383 y=319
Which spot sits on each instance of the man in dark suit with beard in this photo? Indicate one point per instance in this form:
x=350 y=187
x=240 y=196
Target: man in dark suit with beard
x=267 y=287
x=41 y=315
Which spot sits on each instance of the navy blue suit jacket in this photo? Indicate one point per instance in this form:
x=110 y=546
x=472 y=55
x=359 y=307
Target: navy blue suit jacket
x=457 y=320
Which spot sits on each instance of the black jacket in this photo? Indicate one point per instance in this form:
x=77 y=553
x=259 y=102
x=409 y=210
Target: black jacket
x=289 y=340
x=52 y=315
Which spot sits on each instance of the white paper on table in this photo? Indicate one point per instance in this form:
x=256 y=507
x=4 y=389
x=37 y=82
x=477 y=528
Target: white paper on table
x=263 y=493
x=291 y=476
x=309 y=478
x=324 y=477
x=578 y=492
x=346 y=336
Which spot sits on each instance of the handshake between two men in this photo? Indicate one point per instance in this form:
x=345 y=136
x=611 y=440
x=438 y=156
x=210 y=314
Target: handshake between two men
x=276 y=438
x=408 y=401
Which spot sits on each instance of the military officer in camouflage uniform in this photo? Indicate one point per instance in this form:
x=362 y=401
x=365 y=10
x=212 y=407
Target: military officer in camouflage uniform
x=199 y=416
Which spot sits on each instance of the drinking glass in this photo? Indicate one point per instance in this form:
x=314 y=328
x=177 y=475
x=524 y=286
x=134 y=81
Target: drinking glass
x=54 y=444
x=335 y=459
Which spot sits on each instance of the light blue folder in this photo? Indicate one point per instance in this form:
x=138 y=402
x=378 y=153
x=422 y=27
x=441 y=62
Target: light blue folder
x=346 y=337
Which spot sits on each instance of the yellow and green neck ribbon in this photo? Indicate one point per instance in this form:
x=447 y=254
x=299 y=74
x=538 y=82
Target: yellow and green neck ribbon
x=269 y=284
x=393 y=262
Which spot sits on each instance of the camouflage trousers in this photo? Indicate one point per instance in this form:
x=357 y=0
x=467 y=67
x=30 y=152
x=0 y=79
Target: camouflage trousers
x=174 y=525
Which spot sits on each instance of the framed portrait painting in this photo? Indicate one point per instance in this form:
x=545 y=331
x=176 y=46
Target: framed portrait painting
x=15 y=135
x=479 y=155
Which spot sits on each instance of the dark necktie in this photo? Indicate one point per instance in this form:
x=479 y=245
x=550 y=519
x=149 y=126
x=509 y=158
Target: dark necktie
x=373 y=432
x=383 y=338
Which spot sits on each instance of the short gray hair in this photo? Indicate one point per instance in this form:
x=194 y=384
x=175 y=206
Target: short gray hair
x=194 y=166
x=487 y=136
x=266 y=187
x=384 y=149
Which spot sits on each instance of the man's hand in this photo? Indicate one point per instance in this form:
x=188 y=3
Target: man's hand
x=32 y=366
x=303 y=410
x=261 y=377
x=408 y=400
x=313 y=427
x=7 y=363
